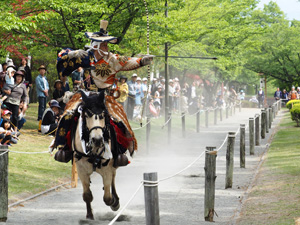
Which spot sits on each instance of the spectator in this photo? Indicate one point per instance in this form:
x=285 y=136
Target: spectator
x=50 y=118
x=131 y=96
x=6 y=114
x=284 y=96
x=9 y=76
x=42 y=88
x=77 y=79
x=176 y=93
x=59 y=93
x=277 y=94
x=293 y=94
x=6 y=135
x=171 y=95
x=21 y=115
x=298 y=90
x=139 y=92
x=15 y=95
x=260 y=98
x=4 y=67
x=144 y=86
x=28 y=77
x=154 y=86
x=123 y=87
x=232 y=95
x=157 y=99
x=241 y=95
x=65 y=84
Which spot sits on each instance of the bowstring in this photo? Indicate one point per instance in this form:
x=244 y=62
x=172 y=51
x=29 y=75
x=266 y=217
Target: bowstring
x=148 y=67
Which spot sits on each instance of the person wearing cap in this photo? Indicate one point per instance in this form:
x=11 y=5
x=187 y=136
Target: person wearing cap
x=42 y=88
x=59 y=93
x=15 y=95
x=28 y=78
x=139 y=92
x=104 y=66
x=11 y=69
x=131 y=96
x=50 y=118
x=293 y=94
x=123 y=88
x=6 y=114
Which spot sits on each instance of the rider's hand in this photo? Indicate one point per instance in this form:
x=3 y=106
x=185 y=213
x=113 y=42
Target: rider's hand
x=77 y=54
x=146 y=60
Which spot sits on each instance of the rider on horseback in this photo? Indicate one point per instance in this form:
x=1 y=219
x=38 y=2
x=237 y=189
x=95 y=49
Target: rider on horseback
x=104 y=65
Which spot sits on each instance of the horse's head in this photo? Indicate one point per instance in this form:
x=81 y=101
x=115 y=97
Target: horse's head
x=94 y=124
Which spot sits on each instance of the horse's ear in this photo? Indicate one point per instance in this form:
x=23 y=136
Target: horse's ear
x=84 y=96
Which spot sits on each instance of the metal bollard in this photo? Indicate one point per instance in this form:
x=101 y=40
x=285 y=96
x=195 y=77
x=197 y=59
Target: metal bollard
x=242 y=145
x=183 y=123
x=257 y=140
x=151 y=199
x=215 y=116
x=198 y=120
x=267 y=120
x=169 y=127
x=251 y=135
x=206 y=117
x=263 y=124
x=3 y=183
x=210 y=178
x=148 y=130
x=229 y=160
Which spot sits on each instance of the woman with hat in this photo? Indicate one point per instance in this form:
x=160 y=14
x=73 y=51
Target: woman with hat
x=123 y=88
x=42 y=87
x=50 y=118
x=59 y=93
x=15 y=94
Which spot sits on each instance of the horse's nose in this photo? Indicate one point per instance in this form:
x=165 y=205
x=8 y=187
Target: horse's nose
x=96 y=141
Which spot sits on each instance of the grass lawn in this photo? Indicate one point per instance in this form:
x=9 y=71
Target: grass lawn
x=32 y=173
x=275 y=197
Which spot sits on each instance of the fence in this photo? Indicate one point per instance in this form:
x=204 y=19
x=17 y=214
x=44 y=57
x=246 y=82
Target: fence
x=150 y=181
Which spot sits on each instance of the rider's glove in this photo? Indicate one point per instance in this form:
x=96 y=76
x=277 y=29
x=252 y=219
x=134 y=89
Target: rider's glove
x=146 y=60
x=77 y=54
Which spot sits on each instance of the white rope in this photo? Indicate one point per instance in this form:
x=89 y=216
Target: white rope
x=199 y=111
x=188 y=166
x=6 y=151
x=223 y=143
x=238 y=130
x=124 y=207
x=28 y=152
x=166 y=122
x=141 y=126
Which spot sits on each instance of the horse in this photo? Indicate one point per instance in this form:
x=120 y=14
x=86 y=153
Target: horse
x=95 y=148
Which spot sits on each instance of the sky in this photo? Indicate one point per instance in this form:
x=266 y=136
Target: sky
x=290 y=7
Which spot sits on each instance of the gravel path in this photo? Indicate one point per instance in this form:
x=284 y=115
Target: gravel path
x=181 y=199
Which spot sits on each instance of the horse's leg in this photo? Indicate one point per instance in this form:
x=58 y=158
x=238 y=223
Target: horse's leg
x=87 y=194
x=116 y=205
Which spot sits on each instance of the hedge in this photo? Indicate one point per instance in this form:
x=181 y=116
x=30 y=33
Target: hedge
x=291 y=103
x=295 y=114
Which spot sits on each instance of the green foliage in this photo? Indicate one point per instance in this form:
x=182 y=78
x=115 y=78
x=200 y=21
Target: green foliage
x=290 y=103
x=295 y=114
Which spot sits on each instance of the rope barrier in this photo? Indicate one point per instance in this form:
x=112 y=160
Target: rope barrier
x=166 y=122
x=6 y=151
x=138 y=128
x=127 y=203
x=223 y=143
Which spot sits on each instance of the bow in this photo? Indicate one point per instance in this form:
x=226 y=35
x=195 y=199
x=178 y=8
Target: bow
x=148 y=77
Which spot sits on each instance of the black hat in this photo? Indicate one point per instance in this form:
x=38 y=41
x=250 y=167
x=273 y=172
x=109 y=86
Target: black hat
x=54 y=103
x=123 y=77
x=102 y=35
x=57 y=81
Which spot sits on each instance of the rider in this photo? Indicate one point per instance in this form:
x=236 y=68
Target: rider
x=104 y=65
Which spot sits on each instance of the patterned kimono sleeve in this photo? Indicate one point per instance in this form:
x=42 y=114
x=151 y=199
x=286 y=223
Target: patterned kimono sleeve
x=65 y=66
x=128 y=63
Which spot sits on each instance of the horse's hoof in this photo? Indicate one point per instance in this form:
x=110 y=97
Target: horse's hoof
x=90 y=216
x=115 y=208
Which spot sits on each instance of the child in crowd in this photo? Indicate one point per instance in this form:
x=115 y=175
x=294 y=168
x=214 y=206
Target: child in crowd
x=7 y=136
x=11 y=69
